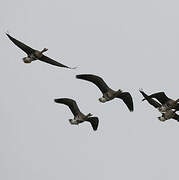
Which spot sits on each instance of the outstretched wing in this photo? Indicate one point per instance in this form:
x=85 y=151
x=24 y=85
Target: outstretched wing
x=28 y=50
x=160 y=96
x=127 y=98
x=176 y=117
x=150 y=100
x=53 y=62
x=98 y=81
x=94 y=122
x=70 y=103
x=177 y=107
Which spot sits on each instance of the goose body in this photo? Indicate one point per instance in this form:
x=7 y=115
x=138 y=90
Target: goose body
x=79 y=117
x=108 y=93
x=166 y=101
x=33 y=54
x=167 y=112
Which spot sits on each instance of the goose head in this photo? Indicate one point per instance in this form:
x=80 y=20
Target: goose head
x=73 y=121
x=162 y=118
x=119 y=91
x=44 y=49
x=27 y=59
x=102 y=100
x=89 y=114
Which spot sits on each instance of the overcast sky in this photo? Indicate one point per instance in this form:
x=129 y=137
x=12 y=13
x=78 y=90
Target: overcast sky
x=132 y=45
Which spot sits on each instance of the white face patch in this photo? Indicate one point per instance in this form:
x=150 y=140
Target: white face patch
x=102 y=99
x=162 y=119
x=27 y=60
x=73 y=121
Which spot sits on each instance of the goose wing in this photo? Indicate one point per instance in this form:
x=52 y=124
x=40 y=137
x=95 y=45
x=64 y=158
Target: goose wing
x=176 y=117
x=98 y=81
x=28 y=50
x=52 y=62
x=94 y=122
x=160 y=96
x=150 y=100
x=127 y=98
x=70 y=103
x=177 y=107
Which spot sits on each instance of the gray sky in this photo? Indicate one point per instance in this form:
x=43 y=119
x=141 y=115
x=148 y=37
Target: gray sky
x=132 y=45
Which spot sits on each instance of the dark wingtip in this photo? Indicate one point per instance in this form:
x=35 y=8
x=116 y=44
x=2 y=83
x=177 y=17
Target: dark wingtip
x=130 y=106
x=7 y=34
x=80 y=76
x=95 y=127
x=131 y=109
x=94 y=122
x=77 y=76
x=56 y=100
x=142 y=92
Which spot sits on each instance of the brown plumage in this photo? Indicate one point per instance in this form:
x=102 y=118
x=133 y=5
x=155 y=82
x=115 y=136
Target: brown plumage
x=164 y=100
x=108 y=93
x=167 y=113
x=33 y=54
x=79 y=117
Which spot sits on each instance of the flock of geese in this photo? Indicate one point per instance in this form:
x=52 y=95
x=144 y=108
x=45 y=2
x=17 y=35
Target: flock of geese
x=166 y=106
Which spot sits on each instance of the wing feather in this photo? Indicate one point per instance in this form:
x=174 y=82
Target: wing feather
x=28 y=50
x=70 y=103
x=98 y=81
x=53 y=62
x=176 y=117
x=127 y=98
x=160 y=96
x=94 y=122
x=150 y=100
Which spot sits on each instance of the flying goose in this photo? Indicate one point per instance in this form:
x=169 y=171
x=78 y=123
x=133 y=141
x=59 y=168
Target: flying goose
x=108 y=93
x=164 y=100
x=33 y=54
x=79 y=117
x=167 y=113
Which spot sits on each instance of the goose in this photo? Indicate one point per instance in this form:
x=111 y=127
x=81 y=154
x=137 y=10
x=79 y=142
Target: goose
x=167 y=113
x=33 y=54
x=79 y=117
x=108 y=93
x=166 y=101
